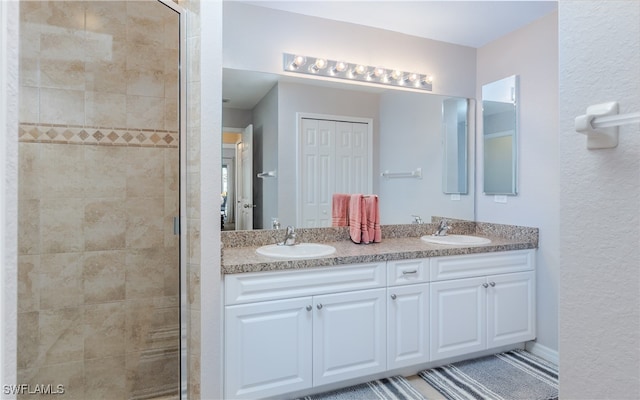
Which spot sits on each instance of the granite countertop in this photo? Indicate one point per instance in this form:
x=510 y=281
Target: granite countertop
x=245 y=259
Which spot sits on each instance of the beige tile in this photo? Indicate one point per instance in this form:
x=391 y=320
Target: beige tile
x=29 y=103
x=145 y=112
x=148 y=83
x=194 y=376
x=61 y=281
x=146 y=28
x=62 y=171
x=62 y=73
x=152 y=324
x=104 y=276
x=59 y=106
x=66 y=15
x=28 y=283
x=105 y=109
x=172 y=271
x=105 y=173
x=108 y=17
x=61 y=223
x=145 y=172
x=28 y=339
x=145 y=223
x=104 y=330
x=153 y=374
x=193 y=286
x=61 y=338
x=144 y=57
x=29 y=227
x=106 y=75
x=171 y=32
x=29 y=171
x=105 y=378
x=171 y=172
x=171 y=113
x=194 y=333
x=145 y=273
x=105 y=225
x=69 y=375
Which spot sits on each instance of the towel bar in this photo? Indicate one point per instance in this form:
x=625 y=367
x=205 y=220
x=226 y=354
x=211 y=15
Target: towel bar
x=413 y=174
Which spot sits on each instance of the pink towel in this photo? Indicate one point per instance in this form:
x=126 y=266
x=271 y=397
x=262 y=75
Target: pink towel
x=373 y=219
x=340 y=209
x=356 y=210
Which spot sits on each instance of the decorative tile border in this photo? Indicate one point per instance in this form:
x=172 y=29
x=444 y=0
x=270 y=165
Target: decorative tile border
x=88 y=135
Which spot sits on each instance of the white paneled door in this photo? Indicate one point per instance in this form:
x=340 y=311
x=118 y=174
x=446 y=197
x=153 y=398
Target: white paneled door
x=335 y=157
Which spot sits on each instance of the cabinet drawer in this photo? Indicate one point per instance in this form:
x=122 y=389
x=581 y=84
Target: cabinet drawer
x=271 y=285
x=405 y=272
x=467 y=266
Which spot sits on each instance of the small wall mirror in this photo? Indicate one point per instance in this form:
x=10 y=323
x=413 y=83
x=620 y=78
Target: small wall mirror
x=454 y=132
x=500 y=134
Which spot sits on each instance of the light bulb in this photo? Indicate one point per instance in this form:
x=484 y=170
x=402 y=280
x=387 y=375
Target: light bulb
x=298 y=61
x=339 y=67
x=396 y=75
x=320 y=63
x=359 y=70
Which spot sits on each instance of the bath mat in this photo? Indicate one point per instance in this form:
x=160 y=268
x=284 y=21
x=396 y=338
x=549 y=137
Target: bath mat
x=514 y=375
x=394 y=388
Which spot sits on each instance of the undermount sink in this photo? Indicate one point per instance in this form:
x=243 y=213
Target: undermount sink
x=455 y=239
x=301 y=250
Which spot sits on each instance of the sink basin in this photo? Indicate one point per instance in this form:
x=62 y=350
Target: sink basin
x=301 y=250
x=455 y=239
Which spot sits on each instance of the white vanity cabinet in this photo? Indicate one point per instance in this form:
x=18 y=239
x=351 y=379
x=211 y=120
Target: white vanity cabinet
x=407 y=313
x=333 y=330
x=291 y=330
x=481 y=301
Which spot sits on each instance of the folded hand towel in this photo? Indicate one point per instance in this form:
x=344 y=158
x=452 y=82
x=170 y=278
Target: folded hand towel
x=356 y=210
x=340 y=209
x=373 y=219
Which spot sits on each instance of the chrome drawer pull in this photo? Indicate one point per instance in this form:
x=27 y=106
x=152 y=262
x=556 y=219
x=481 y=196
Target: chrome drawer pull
x=413 y=271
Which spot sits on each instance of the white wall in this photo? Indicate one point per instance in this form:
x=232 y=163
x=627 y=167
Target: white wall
x=532 y=53
x=256 y=37
x=599 y=204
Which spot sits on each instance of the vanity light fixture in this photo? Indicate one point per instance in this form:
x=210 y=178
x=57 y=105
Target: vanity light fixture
x=356 y=72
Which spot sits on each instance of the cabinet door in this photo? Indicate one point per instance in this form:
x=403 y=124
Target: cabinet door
x=458 y=317
x=511 y=308
x=349 y=335
x=268 y=348
x=407 y=325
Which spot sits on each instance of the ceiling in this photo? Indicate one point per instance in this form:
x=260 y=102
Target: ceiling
x=467 y=23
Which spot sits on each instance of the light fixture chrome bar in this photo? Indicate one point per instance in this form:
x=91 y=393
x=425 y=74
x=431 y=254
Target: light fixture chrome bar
x=355 y=72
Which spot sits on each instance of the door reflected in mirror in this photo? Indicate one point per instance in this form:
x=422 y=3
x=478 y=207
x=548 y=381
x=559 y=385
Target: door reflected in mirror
x=500 y=136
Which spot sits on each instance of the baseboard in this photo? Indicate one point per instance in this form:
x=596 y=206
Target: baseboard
x=545 y=352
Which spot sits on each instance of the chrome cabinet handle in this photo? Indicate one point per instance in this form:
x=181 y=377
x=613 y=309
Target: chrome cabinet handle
x=393 y=297
x=485 y=285
x=492 y=284
x=309 y=308
x=413 y=271
x=319 y=306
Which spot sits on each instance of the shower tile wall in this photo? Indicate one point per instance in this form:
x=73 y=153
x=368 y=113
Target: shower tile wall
x=98 y=188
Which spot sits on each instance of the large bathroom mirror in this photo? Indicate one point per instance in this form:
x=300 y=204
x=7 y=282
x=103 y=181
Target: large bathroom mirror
x=500 y=136
x=406 y=138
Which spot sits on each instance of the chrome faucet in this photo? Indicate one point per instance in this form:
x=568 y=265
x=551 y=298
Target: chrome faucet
x=416 y=219
x=442 y=229
x=289 y=237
